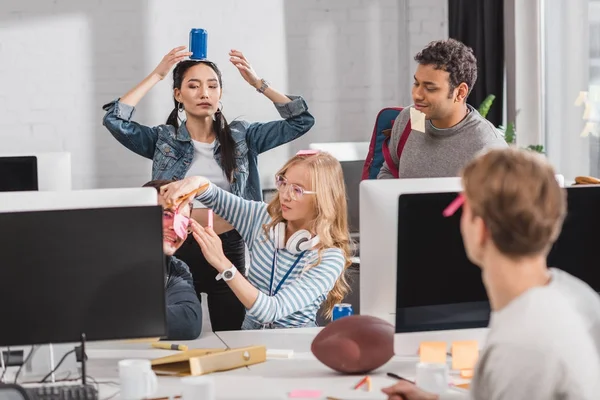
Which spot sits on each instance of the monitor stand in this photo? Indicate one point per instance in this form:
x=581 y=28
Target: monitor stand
x=4 y=367
x=52 y=361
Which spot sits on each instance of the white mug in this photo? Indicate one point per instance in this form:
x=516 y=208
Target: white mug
x=198 y=388
x=137 y=379
x=432 y=377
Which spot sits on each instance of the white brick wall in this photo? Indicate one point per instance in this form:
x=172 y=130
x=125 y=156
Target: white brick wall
x=62 y=60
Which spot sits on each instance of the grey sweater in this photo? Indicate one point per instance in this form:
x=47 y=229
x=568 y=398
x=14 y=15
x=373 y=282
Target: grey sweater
x=439 y=153
x=542 y=346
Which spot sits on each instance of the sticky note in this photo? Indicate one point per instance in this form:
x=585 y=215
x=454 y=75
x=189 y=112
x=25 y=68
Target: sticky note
x=180 y=225
x=466 y=373
x=581 y=98
x=305 y=394
x=464 y=354
x=210 y=218
x=307 y=152
x=417 y=120
x=433 y=352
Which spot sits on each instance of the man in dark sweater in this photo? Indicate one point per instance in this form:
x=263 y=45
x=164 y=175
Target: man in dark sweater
x=184 y=312
x=454 y=131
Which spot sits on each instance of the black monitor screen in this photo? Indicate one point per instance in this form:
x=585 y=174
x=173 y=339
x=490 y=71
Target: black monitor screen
x=352 y=176
x=95 y=271
x=575 y=249
x=18 y=174
x=439 y=288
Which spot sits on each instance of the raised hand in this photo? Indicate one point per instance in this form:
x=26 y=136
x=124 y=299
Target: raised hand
x=170 y=59
x=211 y=246
x=239 y=61
x=177 y=192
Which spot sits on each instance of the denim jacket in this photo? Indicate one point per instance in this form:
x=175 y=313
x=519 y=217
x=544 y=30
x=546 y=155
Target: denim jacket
x=172 y=150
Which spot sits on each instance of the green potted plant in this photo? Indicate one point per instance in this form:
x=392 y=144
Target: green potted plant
x=509 y=132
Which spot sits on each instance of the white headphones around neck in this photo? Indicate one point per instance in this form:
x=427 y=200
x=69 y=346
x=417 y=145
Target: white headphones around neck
x=300 y=241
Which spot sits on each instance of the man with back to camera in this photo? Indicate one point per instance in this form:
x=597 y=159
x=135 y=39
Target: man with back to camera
x=544 y=332
x=184 y=311
x=454 y=131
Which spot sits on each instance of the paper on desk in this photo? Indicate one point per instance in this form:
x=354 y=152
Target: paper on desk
x=304 y=394
x=417 y=120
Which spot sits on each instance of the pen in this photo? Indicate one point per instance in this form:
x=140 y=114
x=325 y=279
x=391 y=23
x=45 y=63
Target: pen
x=392 y=375
x=168 y=346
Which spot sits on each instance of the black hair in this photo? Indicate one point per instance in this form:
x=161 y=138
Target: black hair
x=454 y=57
x=220 y=125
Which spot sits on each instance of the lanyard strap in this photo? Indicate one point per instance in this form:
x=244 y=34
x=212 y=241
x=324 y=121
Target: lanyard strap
x=274 y=267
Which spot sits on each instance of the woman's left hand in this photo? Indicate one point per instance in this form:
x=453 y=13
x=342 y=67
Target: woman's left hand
x=239 y=61
x=211 y=246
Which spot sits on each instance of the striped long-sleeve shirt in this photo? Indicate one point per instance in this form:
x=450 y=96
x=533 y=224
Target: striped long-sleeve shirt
x=302 y=293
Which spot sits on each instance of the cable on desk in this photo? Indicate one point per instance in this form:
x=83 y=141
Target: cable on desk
x=62 y=360
x=24 y=362
x=5 y=364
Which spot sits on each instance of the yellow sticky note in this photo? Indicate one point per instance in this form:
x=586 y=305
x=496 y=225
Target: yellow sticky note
x=464 y=354
x=433 y=352
x=417 y=120
x=466 y=373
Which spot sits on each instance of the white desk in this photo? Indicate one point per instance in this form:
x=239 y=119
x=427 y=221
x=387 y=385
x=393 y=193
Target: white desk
x=298 y=340
x=139 y=349
x=273 y=379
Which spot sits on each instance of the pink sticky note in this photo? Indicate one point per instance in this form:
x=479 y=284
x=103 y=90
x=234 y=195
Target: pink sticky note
x=210 y=218
x=455 y=205
x=307 y=152
x=180 y=225
x=305 y=394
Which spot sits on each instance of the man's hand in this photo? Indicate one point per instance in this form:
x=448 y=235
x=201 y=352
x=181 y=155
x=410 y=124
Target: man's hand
x=407 y=391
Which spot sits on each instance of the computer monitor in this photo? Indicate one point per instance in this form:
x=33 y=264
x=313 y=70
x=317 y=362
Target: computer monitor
x=575 y=248
x=18 y=174
x=378 y=238
x=344 y=151
x=96 y=271
x=352 y=177
x=438 y=288
x=53 y=169
x=77 y=199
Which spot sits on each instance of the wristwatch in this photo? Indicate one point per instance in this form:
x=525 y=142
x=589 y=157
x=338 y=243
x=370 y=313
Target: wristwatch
x=263 y=86
x=228 y=274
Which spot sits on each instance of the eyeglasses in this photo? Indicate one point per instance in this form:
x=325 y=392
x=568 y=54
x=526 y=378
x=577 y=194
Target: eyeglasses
x=296 y=192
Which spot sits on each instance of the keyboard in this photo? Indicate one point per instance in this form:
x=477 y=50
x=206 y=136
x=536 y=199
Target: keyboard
x=62 y=392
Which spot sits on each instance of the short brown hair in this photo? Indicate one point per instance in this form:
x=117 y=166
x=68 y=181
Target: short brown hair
x=516 y=194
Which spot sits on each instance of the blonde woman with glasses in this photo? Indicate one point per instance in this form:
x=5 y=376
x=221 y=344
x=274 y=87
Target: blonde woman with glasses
x=299 y=243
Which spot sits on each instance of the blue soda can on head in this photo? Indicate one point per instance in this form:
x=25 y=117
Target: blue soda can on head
x=342 y=310
x=198 y=43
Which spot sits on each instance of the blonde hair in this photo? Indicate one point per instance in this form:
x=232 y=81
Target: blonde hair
x=516 y=194
x=331 y=221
